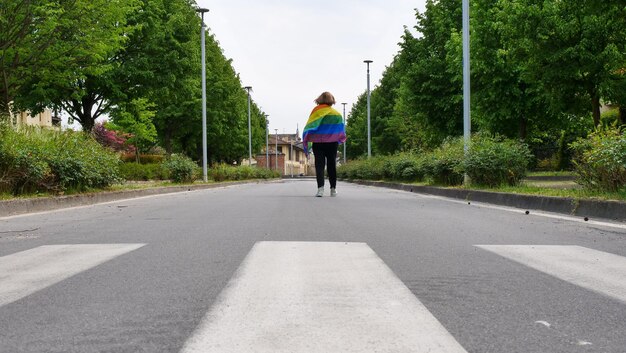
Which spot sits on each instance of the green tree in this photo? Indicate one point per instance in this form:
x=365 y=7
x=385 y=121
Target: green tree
x=431 y=91
x=504 y=100
x=44 y=43
x=356 y=128
x=135 y=118
x=573 y=49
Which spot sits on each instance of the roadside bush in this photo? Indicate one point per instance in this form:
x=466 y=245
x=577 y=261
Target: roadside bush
x=363 y=169
x=137 y=171
x=600 y=161
x=494 y=162
x=79 y=162
x=404 y=166
x=444 y=165
x=180 y=168
x=33 y=160
x=143 y=158
x=224 y=172
x=23 y=167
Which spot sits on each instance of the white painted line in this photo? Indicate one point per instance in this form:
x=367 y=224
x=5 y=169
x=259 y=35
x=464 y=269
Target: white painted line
x=297 y=297
x=591 y=269
x=28 y=271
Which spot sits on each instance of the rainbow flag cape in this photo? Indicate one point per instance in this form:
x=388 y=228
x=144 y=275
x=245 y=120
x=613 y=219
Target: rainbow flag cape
x=325 y=124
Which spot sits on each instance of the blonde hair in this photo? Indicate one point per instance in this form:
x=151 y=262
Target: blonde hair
x=325 y=98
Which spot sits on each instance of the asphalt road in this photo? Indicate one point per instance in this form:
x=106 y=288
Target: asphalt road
x=179 y=252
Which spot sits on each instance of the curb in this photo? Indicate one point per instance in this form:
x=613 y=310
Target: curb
x=613 y=210
x=23 y=206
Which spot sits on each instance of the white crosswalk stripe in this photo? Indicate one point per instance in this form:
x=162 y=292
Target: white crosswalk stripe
x=318 y=297
x=29 y=271
x=592 y=269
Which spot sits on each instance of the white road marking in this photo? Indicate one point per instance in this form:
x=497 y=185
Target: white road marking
x=318 y=297
x=28 y=271
x=544 y=323
x=592 y=269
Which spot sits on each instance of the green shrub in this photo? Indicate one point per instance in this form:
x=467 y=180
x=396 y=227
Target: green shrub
x=600 y=161
x=79 y=162
x=180 y=168
x=137 y=171
x=404 y=166
x=223 y=172
x=23 y=167
x=494 y=162
x=610 y=118
x=444 y=165
x=143 y=158
x=33 y=160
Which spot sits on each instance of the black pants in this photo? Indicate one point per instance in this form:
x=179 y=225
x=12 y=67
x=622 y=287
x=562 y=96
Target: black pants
x=325 y=155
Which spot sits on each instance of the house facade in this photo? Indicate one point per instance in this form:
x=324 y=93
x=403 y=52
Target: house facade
x=286 y=154
x=45 y=119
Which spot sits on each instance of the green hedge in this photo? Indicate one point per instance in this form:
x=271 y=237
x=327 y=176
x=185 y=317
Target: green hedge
x=494 y=162
x=143 y=158
x=490 y=162
x=35 y=160
x=223 y=172
x=138 y=171
x=600 y=162
x=444 y=164
x=181 y=168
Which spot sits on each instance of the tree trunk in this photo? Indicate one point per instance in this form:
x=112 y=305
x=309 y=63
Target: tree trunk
x=523 y=128
x=595 y=105
x=5 y=105
x=622 y=115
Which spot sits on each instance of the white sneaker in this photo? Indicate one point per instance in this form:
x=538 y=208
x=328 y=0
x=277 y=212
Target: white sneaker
x=320 y=192
x=333 y=192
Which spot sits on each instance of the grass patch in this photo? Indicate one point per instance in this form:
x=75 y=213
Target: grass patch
x=525 y=189
x=552 y=174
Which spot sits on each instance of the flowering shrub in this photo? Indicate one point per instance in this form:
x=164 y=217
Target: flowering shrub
x=117 y=141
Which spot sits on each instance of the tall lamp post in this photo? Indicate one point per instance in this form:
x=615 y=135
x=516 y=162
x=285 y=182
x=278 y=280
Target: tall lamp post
x=369 y=125
x=267 y=143
x=344 y=126
x=202 y=11
x=466 y=81
x=276 y=150
x=248 y=88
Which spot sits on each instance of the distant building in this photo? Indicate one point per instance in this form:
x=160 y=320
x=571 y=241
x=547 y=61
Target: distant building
x=45 y=119
x=287 y=154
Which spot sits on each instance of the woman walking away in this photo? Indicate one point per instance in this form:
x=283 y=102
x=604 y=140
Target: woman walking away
x=325 y=131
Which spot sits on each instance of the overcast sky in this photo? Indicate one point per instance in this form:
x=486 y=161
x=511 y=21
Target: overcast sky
x=290 y=51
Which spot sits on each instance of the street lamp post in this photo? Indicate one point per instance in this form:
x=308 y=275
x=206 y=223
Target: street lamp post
x=466 y=81
x=276 y=150
x=344 y=126
x=202 y=11
x=267 y=143
x=248 y=88
x=369 y=125
x=291 y=156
